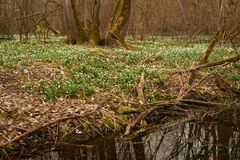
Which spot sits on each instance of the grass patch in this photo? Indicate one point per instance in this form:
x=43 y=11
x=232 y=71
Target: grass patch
x=58 y=88
x=90 y=70
x=235 y=77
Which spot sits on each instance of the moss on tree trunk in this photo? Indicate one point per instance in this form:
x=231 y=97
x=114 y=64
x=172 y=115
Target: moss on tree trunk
x=91 y=35
x=82 y=35
x=120 y=16
x=94 y=33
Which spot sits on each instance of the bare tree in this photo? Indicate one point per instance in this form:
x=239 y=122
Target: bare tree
x=90 y=33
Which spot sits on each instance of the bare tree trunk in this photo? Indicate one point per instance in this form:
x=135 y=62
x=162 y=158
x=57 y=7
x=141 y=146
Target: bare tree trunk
x=94 y=37
x=70 y=23
x=117 y=26
x=219 y=34
x=82 y=35
x=119 y=18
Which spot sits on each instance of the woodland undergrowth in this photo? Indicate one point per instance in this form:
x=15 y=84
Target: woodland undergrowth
x=53 y=90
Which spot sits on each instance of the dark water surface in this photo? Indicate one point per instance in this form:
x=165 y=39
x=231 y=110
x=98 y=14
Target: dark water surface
x=212 y=138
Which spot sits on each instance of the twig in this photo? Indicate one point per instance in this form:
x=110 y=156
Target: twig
x=183 y=94
x=31 y=131
x=222 y=84
x=183 y=86
x=148 y=58
x=233 y=45
x=6 y=111
x=4 y=152
x=144 y=115
x=75 y=145
x=167 y=104
x=203 y=103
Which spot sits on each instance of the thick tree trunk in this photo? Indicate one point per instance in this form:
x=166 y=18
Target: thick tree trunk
x=82 y=35
x=119 y=18
x=116 y=29
x=70 y=22
x=94 y=33
x=105 y=15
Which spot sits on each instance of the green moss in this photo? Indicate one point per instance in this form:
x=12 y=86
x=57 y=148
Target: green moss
x=11 y=147
x=123 y=109
x=111 y=123
x=122 y=117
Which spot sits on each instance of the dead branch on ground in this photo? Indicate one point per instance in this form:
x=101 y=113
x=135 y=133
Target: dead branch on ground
x=183 y=93
x=210 y=64
x=140 y=88
x=33 y=130
x=165 y=105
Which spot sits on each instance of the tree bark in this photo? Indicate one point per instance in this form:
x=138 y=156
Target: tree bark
x=82 y=35
x=94 y=34
x=119 y=18
x=116 y=29
x=70 y=23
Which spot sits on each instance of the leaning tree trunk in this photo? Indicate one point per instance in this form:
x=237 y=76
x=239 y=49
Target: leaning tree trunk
x=119 y=18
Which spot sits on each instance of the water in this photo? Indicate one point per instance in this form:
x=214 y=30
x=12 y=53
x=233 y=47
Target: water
x=215 y=138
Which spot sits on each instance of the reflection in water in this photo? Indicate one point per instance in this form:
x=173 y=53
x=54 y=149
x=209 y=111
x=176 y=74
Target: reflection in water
x=213 y=139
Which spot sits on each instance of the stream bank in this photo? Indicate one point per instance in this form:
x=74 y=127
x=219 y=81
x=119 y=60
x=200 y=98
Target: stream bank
x=211 y=137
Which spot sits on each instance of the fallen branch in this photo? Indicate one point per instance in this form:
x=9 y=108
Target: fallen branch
x=168 y=104
x=184 y=93
x=203 y=103
x=225 y=86
x=140 y=88
x=31 y=131
x=147 y=59
x=210 y=48
x=211 y=64
x=144 y=115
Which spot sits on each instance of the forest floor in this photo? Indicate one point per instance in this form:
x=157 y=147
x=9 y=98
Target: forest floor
x=53 y=90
